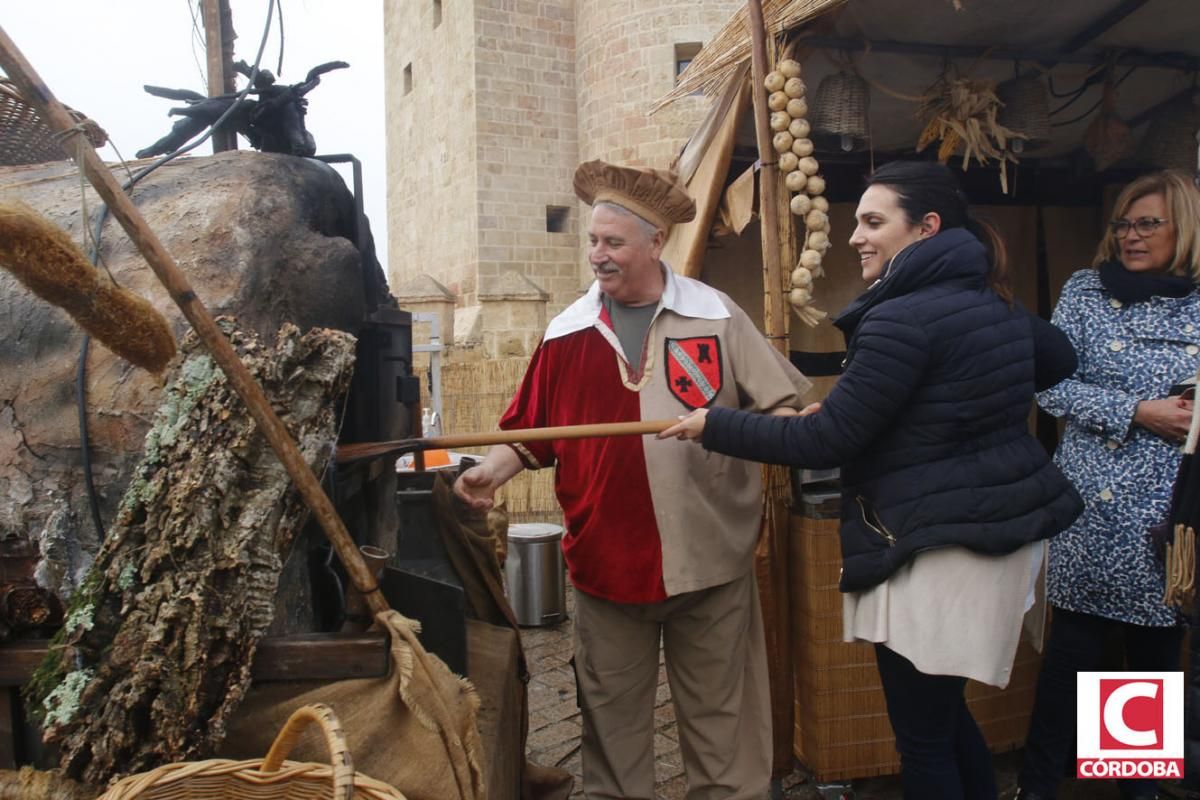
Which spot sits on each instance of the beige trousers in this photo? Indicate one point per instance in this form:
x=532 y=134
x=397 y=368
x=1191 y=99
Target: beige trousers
x=716 y=663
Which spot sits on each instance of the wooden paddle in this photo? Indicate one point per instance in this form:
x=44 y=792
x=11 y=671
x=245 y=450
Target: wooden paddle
x=350 y=453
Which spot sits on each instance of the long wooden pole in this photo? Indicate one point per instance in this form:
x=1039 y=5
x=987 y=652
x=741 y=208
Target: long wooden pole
x=216 y=38
x=357 y=452
x=52 y=112
x=775 y=317
x=771 y=555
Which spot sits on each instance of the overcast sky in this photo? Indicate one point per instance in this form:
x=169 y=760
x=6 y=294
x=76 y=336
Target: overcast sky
x=95 y=56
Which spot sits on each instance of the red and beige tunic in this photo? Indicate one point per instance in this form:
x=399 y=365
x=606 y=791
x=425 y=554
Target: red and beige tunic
x=648 y=519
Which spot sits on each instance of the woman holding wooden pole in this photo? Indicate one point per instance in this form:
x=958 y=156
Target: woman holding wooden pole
x=946 y=498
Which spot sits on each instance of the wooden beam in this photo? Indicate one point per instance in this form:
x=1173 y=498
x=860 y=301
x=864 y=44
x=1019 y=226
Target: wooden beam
x=218 y=44
x=1102 y=24
x=311 y=657
x=1180 y=61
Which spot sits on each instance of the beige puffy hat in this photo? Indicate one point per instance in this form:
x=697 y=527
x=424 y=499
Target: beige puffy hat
x=652 y=194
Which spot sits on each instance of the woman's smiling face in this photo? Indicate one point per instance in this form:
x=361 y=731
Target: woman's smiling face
x=883 y=230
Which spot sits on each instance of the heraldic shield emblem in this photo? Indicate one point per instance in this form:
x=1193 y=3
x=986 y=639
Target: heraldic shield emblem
x=694 y=369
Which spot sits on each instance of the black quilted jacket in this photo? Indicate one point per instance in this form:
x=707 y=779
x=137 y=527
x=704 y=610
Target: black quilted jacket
x=929 y=420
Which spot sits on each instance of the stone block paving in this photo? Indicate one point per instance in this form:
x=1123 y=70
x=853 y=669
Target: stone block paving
x=554 y=730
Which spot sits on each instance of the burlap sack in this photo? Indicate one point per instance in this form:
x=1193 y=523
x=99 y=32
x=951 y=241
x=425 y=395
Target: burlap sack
x=414 y=729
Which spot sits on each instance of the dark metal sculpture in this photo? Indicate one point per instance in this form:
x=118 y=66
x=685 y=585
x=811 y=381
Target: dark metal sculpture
x=273 y=122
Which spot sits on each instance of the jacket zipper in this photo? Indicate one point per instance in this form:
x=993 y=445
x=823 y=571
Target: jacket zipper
x=877 y=526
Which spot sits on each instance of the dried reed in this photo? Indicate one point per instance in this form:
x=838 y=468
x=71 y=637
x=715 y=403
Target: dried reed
x=714 y=64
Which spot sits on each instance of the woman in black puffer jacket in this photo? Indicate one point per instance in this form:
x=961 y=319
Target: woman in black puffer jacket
x=946 y=499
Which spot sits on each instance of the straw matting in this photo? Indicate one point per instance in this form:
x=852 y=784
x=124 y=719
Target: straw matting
x=474 y=396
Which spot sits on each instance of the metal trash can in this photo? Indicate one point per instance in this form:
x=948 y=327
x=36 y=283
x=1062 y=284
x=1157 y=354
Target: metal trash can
x=534 y=572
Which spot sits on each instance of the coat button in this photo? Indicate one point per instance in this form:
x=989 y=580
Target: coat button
x=1106 y=495
x=1192 y=349
x=1189 y=328
x=1116 y=345
x=1115 y=303
x=1112 y=444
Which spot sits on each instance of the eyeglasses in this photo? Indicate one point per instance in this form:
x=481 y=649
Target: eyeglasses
x=1145 y=226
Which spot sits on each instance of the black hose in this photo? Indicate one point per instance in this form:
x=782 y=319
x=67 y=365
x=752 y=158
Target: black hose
x=97 y=229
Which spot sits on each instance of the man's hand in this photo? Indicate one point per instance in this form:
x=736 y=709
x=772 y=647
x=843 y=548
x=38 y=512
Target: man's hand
x=476 y=487
x=1169 y=417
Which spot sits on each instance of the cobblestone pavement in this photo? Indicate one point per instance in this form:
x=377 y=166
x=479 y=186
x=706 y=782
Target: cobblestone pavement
x=554 y=730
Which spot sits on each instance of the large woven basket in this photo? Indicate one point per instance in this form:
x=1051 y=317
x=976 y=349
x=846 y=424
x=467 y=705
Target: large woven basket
x=270 y=778
x=26 y=139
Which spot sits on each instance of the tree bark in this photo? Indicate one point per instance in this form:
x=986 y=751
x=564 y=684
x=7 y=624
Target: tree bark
x=158 y=642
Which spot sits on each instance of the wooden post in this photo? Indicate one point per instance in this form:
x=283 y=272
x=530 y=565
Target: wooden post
x=774 y=319
x=218 y=42
x=771 y=555
x=54 y=115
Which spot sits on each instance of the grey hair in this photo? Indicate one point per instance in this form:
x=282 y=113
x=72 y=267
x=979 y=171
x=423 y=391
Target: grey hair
x=648 y=228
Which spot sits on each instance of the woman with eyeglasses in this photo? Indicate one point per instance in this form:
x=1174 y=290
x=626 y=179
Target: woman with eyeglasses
x=1135 y=322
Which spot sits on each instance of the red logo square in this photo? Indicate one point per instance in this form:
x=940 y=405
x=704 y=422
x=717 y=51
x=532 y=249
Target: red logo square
x=1131 y=713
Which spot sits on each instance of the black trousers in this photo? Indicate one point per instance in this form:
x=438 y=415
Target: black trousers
x=943 y=756
x=1077 y=645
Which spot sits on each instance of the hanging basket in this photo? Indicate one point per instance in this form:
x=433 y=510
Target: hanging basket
x=1170 y=141
x=1026 y=110
x=270 y=778
x=26 y=139
x=840 y=106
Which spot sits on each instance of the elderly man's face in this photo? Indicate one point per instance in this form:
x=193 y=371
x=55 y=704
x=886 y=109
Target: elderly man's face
x=624 y=257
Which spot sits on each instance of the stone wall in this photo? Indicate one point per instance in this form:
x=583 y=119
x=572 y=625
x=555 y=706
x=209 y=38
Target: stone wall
x=429 y=90
x=527 y=143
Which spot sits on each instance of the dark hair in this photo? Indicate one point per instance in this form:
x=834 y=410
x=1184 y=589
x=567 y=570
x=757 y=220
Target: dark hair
x=927 y=186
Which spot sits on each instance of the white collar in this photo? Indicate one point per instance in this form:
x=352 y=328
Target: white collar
x=684 y=296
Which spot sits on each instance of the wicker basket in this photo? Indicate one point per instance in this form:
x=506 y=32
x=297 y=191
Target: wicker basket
x=270 y=778
x=26 y=139
x=842 y=729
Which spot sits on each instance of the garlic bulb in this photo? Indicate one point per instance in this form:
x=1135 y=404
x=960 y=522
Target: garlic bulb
x=816 y=220
x=783 y=142
x=788 y=162
x=780 y=120
x=811 y=260
x=799 y=296
x=816 y=185
x=818 y=239
x=818 y=202
x=795 y=180
x=802 y=147
x=775 y=81
x=808 y=165
x=789 y=68
x=778 y=101
x=796 y=107
x=794 y=87
x=802 y=277
x=799 y=128
x=800 y=205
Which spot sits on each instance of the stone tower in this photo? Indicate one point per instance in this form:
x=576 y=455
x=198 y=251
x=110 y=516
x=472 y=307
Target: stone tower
x=491 y=104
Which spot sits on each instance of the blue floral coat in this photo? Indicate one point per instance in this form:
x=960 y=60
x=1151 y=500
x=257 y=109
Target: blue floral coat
x=1104 y=564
